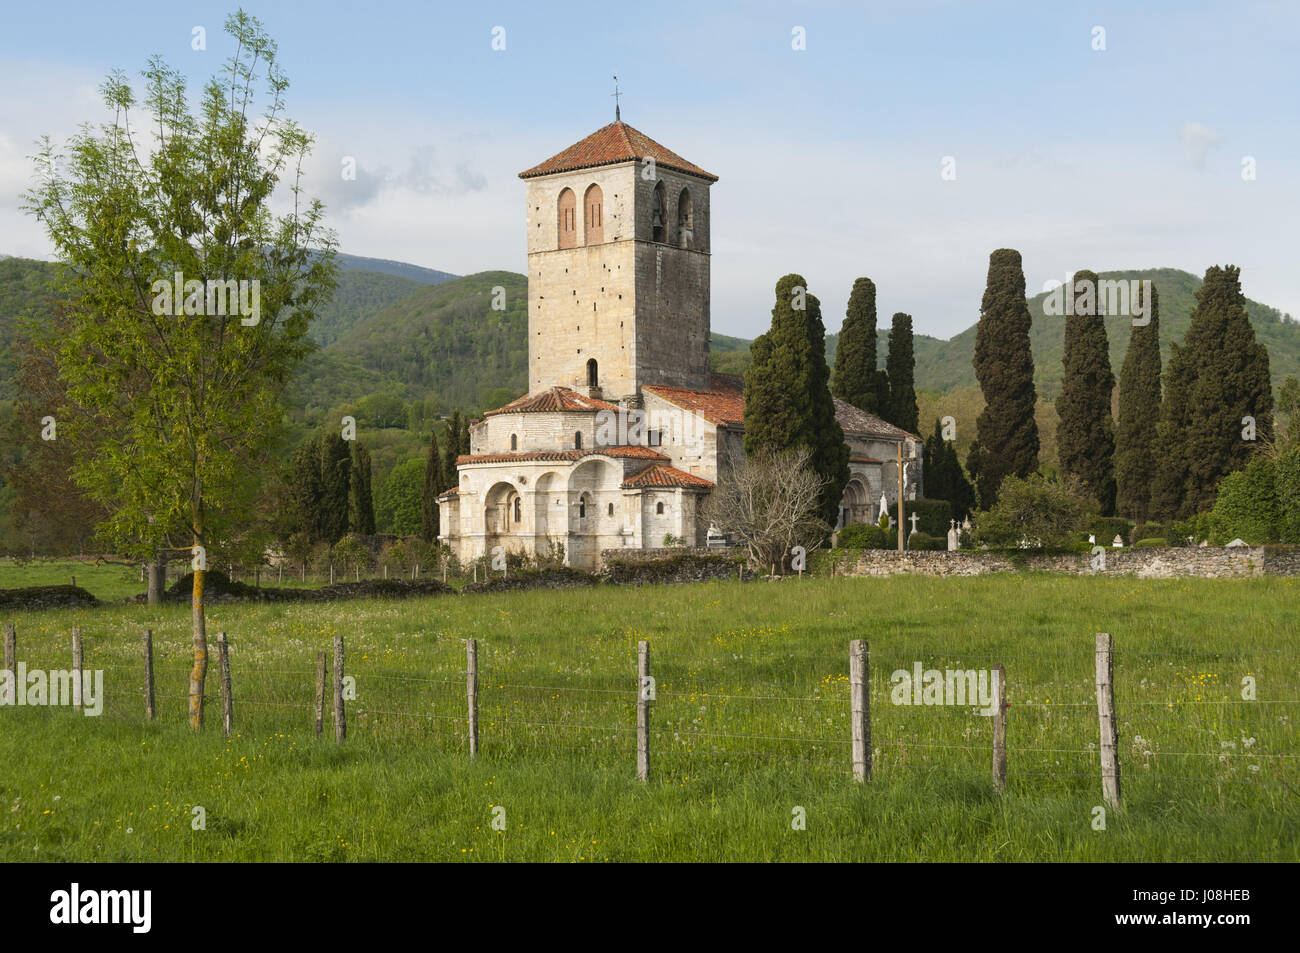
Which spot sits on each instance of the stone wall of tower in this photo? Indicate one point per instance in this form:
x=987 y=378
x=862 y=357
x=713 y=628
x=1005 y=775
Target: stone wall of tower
x=581 y=301
x=639 y=307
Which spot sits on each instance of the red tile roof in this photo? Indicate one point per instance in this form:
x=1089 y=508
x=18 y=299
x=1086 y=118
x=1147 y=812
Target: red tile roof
x=533 y=456
x=864 y=460
x=666 y=476
x=551 y=401
x=723 y=404
x=617 y=142
x=452 y=492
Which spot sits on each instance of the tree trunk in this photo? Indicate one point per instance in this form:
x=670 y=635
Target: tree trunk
x=156 y=579
x=198 y=674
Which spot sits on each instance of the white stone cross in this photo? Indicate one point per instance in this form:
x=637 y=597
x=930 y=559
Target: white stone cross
x=913 y=520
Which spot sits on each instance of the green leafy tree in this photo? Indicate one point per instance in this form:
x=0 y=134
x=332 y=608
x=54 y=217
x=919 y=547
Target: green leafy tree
x=1286 y=484
x=363 y=508
x=397 y=506
x=182 y=393
x=1136 y=440
x=1007 y=434
x=1288 y=404
x=304 y=491
x=788 y=403
x=1217 y=382
x=900 y=366
x=855 y=354
x=334 y=514
x=1085 y=436
x=1247 y=504
x=435 y=482
x=1044 y=512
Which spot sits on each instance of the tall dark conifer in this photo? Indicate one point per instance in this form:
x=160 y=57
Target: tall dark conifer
x=305 y=489
x=1085 y=436
x=435 y=482
x=451 y=448
x=787 y=394
x=855 y=354
x=336 y=480
x=1007 y=441
x=1217 y=379
x=901 y=368
x=363 y=506
x=1136 y=447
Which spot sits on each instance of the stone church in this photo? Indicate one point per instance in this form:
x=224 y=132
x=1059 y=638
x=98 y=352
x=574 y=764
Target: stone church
x=624 y=429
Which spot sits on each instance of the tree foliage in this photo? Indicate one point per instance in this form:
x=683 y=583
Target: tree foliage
x=1007 y=434
x=1085 y=435
x=788 y=403
x=1043 y=512
x=855 y=353
x=1136 y=446
x=182 y=395
x=900 y=370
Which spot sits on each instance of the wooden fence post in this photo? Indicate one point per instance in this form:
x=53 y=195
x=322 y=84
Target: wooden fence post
x=643 y=711
x=320 y=692
x=77 y=661
x=999 y=728
x=147 y=646
x=331 y=574
x=227 y=703
x=1106 y=718
x=11 y=660
x=860 y=707
x=471 y=692
x=340 y=717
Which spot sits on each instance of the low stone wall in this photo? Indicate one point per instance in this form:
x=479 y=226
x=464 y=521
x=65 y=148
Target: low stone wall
x=667 y=565
x=1156 y=563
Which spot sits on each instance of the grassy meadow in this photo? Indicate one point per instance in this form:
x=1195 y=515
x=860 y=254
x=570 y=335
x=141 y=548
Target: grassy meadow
x=750 y=722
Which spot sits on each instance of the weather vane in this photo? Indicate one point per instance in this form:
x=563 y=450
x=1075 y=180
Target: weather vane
x=616 y=94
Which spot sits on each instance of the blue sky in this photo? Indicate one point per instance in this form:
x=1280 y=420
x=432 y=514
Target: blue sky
x=829 y=157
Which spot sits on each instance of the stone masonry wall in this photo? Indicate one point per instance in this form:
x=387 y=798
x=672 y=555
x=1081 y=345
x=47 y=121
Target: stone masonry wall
x=1155 y=563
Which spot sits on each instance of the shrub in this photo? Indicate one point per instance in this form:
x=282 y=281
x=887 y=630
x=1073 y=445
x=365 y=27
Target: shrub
x=935 y=517
x=924 y=541
x=1036 y=509
x=867 y=536
x=1286 y=483
x=1196 y=529
x=1246 y=506
x=1106 y=528
x=1151 y=542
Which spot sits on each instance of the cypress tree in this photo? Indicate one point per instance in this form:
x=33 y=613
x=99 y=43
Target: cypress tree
x=1168 y=487
x=451 y=450
x=1085 y=436
x=335 y=474
x=305 y=489
x=1007 y=435
x=855 y=355
x=900 y=366
x=435 y=482
x=943 y=475
x=788 y=400
x=462 y=445
x=363 y=506
x=1136 y=446
x=1219 y=377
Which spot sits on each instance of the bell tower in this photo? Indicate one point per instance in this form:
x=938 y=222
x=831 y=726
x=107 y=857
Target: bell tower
x=618 y=267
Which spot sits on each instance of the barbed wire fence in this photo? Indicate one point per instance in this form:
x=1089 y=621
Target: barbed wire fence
x=671 y=717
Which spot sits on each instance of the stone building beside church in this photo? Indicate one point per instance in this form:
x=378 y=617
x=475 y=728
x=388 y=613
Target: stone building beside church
x=624 y=429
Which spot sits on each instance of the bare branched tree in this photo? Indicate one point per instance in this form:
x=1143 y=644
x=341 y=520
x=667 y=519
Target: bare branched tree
x=770 y=503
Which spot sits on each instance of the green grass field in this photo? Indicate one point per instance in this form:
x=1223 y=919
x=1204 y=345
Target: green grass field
x=750 y=722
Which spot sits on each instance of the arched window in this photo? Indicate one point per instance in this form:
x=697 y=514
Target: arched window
x=659 y=507
x=594 y=215
x=577 y=440
x=593 y=378
x=568 y=219
x=611 y=509
x=659 y=215
x=685 y=220
x=514 y=441
x=517 y=510
x=582 y=507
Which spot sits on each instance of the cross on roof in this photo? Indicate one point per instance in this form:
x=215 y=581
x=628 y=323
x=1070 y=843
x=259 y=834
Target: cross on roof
x=616 y=94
